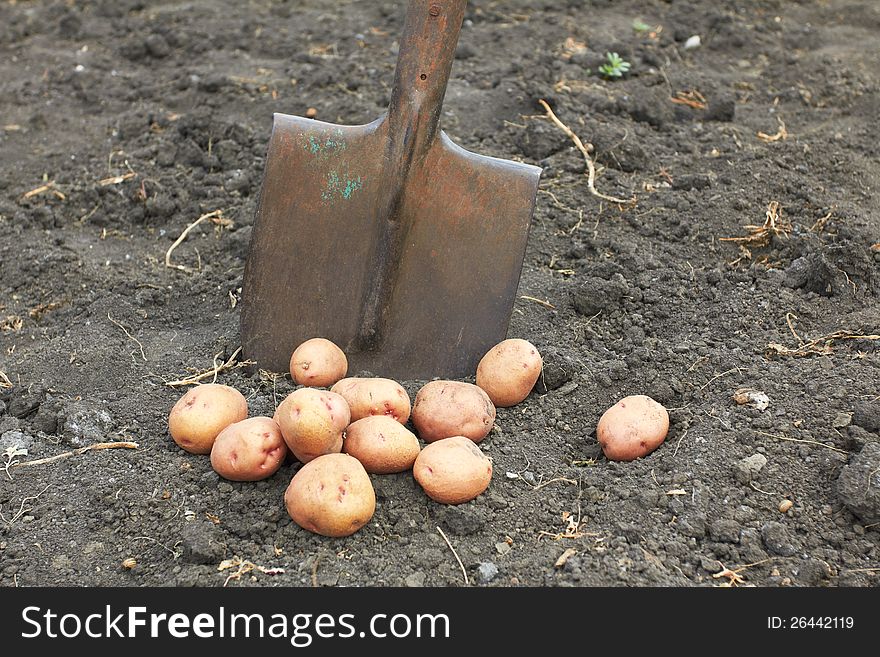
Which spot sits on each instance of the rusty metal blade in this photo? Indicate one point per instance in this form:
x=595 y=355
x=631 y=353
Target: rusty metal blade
x=387 y=238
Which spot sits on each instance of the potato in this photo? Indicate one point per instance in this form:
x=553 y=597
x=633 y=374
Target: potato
x=202 y=413
x=249 y=450
x=634 y=427
x=318 y=362
x=453 y=470
x=509 y=371
x=332 y=496
x=312 y=422
x=451 y=408
x=374 y=397
x=381 y=444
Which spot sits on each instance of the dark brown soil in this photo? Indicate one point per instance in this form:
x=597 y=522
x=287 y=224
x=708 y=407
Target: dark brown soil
x=143 y=116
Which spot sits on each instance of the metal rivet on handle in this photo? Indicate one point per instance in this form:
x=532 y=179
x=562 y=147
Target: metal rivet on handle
x=434 y=10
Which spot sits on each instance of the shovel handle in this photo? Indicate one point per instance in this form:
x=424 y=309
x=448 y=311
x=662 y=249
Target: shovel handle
x=424 y=61
x=427 y=48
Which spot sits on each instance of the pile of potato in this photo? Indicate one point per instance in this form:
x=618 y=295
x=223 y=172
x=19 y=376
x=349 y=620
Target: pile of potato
x=357 y=428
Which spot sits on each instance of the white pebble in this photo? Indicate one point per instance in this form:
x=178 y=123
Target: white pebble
x=693 y=42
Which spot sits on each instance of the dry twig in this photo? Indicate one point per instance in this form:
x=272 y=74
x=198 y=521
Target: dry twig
x=4 y=380
x=455 y=554
x=781 y=134
x=541 y=302
x=76 y=452
x=48 y=187
x=125 y=330
x=821 y=346
x=585 y=151
x=801 y=440
x=216 y=217
x=194 y=379
x=693 y=99
x=774 y=225
x=733 y=576
x=21 y=510
x=244 y=566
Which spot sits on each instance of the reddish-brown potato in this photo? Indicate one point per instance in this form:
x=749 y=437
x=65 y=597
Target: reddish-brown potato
x=332 y=496
x=249 y=450
x=509 y=371
x=312 y=422
x=374 y=397
x=453 y=470
x=634 y=427
x=452 y=408
x=202 y=413
x=318 y=362
x=381 y=444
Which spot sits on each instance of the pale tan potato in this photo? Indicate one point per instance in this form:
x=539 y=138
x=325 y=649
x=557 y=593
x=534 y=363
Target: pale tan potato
x=374 y=396
x=634 y=427
x=318 y=362
x=202 y=413
x=249 y=450
x=312 y=422
x=452 y=408
x=453 y=470
x=331 y=495
x=382 y=444
x=509 y=371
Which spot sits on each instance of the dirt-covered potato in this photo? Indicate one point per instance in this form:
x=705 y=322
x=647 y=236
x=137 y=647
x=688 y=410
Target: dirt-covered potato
x=331 y=495
x=634 y=427
x=452 y=408
x=382 y=444
x=318 y=362
x=249 y=450
x=374 y=396
x=202 y=413
x=453 y=470
x=312 y=422
x=509 y=371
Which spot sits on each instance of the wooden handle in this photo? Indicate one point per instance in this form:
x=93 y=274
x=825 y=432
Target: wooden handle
x=427 y=48
x=424 y=61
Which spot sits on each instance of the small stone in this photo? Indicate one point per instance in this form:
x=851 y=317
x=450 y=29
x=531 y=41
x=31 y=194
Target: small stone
x=858 y=484
x=202 y=543
x=749 y=467
x=502 y=548
x=461 y=520
x=724 y=531
x=487 y=571
x=15 y=440
x=693 y=42
x=841 y=420
x=867 y=415
x=157 y=45
x=84 y=424
x=777 y=540
x=596 y=294
x=785 y=505
x=415 y=580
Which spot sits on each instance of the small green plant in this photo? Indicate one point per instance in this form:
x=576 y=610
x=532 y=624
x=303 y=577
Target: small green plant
x=615 y=67
x=640 y=26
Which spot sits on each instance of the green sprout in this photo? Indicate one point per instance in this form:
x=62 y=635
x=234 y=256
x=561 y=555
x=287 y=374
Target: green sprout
x=615 y=67
x=640 y=25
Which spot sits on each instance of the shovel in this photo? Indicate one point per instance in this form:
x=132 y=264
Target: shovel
x=387 y=238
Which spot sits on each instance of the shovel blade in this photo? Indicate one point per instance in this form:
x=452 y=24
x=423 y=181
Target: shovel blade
x=316 y=242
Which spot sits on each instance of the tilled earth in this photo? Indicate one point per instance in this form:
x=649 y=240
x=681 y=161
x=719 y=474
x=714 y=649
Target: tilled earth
x=122 y=122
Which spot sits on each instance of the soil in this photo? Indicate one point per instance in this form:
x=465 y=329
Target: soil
x=141 y=117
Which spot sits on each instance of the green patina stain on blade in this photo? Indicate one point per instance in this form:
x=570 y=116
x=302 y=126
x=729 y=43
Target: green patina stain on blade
x=338 y=187
x=325 y=145
x=351 y=186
